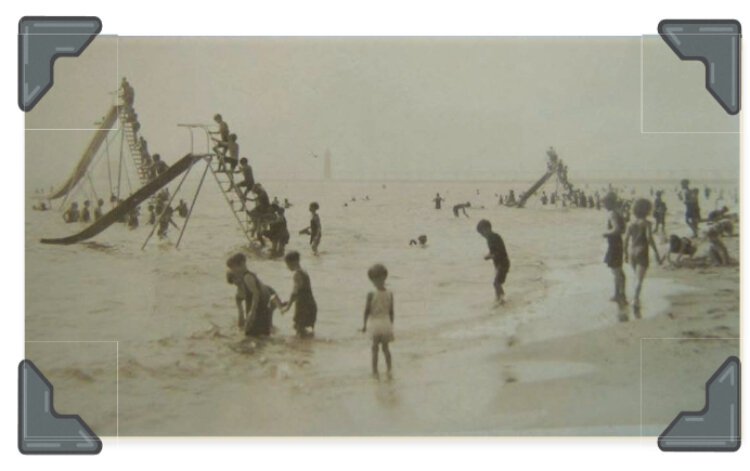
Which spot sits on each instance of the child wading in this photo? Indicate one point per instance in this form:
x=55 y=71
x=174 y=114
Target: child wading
x=498 y=255
x=379 y=313
x=613 y=258
x=260 y=300
x=637 y=241
x=314 y=229
x=305 y=309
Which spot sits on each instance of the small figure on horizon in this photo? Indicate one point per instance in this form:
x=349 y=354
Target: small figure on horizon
x=461 y=207
x=438 y=201
x=499 y=256
x=315 y=229
x=287 y=204
x=421 y=241
x=380 y=314
x=305 y=307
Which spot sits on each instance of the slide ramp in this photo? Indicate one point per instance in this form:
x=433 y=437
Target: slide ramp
x=146 y=191
x=88 y=155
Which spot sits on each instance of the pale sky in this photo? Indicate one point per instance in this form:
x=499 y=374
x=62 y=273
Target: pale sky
x=400 y=108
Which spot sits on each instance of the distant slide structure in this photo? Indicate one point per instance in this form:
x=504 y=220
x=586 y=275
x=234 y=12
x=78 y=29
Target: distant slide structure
x=180 y=167
x=88 y=156
x=534 y=188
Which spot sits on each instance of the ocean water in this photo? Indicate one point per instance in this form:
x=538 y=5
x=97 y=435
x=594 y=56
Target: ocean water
x=145 y=343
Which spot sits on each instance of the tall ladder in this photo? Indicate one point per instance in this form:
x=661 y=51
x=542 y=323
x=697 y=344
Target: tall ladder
x=134 y=147
x=225 y=180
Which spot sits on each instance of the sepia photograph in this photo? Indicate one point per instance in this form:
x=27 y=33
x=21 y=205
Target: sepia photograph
x=380 y=236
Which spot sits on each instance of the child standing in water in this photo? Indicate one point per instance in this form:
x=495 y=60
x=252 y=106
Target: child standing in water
x=380 y=313
x=314 y=229
x=260 y=300
x=99 y=211
x=613 y=258
x=498 y=255
x=640 y=237
x=86 y=213
x=660 y=212
x=306 y=310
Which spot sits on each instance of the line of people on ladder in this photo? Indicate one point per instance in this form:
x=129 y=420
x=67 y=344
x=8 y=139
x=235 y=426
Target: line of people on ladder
x=151 y=166
x=267 y=219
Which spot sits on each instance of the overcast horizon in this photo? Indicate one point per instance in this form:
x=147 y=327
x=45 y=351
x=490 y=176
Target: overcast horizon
x=470 y=109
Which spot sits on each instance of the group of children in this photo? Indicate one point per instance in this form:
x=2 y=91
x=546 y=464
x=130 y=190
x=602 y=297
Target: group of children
x=256 y=303
x=74 y=214
x=639 y=236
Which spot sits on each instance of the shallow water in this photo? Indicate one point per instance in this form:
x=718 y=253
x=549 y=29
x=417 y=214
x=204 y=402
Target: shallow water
x=169 y=360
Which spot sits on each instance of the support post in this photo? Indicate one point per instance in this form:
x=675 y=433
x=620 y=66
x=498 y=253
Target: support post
x=169 y=203
x=192 y=204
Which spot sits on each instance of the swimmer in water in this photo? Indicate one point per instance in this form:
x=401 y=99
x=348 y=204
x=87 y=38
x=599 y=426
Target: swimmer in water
x=461 y=207
x=421 y=241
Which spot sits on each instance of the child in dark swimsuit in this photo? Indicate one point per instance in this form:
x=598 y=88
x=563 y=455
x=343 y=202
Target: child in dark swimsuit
x=637 y=242
x=498 y=255
x=315 y=229
x=72 y=214
x=86 y=212
x=306 y=310
x=99 y=210
x=613 y=258
x=260 y=300
x=660 y=212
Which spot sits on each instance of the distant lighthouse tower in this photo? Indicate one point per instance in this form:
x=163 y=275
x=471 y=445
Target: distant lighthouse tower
x=327 y=165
